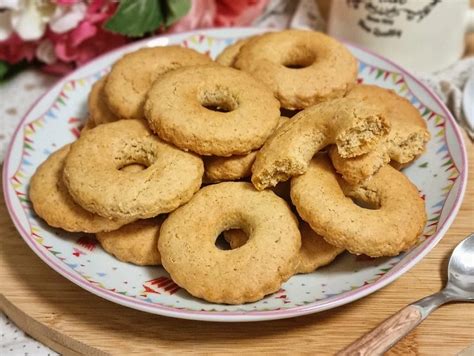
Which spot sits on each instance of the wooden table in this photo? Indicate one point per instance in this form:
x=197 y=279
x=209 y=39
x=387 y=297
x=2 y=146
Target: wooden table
x=72 y=321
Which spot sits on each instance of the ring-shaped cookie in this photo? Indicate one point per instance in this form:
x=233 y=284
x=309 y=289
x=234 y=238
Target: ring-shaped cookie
x=301 y=67
x=323 y=199
x=189 y=254
x=94 y=179
x=228 y=56
x=180 y=106
x=354 y=126
x=99 y=112
x=132 y=76
x=218 y=169
x=406 y=140
x=136 y=243
x=315 y=252
x=53 y=203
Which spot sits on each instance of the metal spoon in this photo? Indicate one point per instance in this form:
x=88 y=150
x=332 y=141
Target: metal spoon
x=460 y=288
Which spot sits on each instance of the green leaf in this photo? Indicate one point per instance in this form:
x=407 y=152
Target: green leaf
x=8 y=70
x=134 y=18
x=3 y=69
x=175 y=9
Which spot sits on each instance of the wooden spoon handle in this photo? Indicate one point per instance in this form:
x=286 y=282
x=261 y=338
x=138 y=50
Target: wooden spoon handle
x=386 y=334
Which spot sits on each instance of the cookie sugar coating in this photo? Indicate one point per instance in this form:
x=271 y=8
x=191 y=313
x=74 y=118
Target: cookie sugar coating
x=136 y=243
x=132 y=75
x=247 y=274
x=354 y=126
x=178 y=109
x=301 y=67
x=405 y=141
x=53 y=203
x=315 y=252
x=323 y=200
x=94 y=179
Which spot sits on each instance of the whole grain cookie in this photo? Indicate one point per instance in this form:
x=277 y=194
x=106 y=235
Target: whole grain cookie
x=189 y=254
x=394 y=219
x=135 y=243
x=99 y=112
x=212 y=110
x=354 y=126
x=315 y=252
x=53 y=203
x=88 y=125
x=301 y=67
x=94 y=179
x=228 y=56
x=132 y=76
x=406 y=140
x=218 y=169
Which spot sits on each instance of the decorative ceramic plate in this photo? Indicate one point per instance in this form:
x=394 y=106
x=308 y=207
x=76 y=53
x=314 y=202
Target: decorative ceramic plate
x=440 y=174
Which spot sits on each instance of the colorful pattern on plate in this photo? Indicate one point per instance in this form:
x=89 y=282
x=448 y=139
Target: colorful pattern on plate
x=79 y=256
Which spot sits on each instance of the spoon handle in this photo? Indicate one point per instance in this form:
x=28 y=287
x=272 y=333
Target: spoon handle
x=390 y=331
x=386 y=334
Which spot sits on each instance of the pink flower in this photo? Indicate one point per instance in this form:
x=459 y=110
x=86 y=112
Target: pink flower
x=219 y=13
x=14 y=49
x=66 y=2
x=87 y=40
x=238 y=13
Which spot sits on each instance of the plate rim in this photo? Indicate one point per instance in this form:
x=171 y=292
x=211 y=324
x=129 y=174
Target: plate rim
x=317 y=306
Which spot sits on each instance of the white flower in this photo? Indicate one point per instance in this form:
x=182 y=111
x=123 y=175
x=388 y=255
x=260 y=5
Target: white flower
x=66 y=18
x=30 y=19
x=5 y=17
x=45 y=52
x=10 y=4
x=5 y=25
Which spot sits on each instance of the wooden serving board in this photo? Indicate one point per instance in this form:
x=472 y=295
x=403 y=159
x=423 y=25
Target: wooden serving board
x=72 y=321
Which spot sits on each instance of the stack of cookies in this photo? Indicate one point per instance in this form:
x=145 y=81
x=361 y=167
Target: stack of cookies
x=180 y=151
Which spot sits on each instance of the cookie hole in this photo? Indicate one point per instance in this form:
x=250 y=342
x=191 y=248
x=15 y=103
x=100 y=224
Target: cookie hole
x=218 y=100
x=298 y=58
x=297 y=65
x=133 y=168
x=361 y=196
x=288 y=113
x=222 y=244
x=218 y=108
x=365 y=204
x=235 y=238
x=135 y=156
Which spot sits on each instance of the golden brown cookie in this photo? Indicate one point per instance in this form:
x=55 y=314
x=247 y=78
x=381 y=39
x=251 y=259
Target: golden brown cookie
x=406 y=140
x=94 y=179
x=53 y=203
x=228 y=56
x=315 y=252
x=212 y=110
x=218 y=169
x=88 y=125
x=189 y=254
x=135 y=243
x=301 y=67
x=99 y=112
x=132 y=75
x=390 y=223
x=354 y=126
